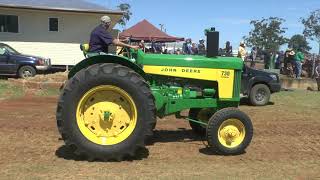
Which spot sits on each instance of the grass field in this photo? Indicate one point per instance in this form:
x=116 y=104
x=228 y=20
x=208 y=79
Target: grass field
x=11 y=91
x=8 y=90
x=286 y=145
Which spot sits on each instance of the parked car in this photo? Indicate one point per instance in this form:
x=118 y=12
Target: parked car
x=13 y=63
x=258 y=85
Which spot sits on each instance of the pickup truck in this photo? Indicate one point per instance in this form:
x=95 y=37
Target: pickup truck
x=13 y=63
x=258 y=85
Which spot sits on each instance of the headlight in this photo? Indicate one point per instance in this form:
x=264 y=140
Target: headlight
x=274 y=77
x=41 y=61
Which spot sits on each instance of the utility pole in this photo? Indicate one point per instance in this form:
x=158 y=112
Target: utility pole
x=161 y=26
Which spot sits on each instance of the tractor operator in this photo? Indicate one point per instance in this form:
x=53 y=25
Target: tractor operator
x=101 y=39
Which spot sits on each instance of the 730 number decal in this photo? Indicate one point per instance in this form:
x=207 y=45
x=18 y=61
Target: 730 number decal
x=225 y=74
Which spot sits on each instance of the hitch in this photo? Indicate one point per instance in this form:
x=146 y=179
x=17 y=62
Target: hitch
x=179 y=116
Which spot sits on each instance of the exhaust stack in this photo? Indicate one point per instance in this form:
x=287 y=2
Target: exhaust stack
x=212 y=42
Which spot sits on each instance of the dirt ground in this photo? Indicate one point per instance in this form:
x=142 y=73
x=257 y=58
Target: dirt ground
x=286 y=145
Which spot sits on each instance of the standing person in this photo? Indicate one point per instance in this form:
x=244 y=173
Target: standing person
x=187 y=47
x=266 y=59
x=298 y=58
x=279 y=60
x=228 y=49
x=201 y=47
x=194 y=49
x=289 y=62
x=254 y=53
x=153 y=47
x=276 y=56
x=101 y=39
x=317 y=72
x=242 y=53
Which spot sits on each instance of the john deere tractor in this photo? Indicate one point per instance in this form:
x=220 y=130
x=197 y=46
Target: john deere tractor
x=110 y=104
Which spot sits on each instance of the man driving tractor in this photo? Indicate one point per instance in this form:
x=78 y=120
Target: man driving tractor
x=101 y=39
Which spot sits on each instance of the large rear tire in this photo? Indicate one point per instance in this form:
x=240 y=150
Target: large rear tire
x=229 y=131
x=106 y=112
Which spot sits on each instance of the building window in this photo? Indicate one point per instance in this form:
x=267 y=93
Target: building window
x=9 y=23
x=54 y=24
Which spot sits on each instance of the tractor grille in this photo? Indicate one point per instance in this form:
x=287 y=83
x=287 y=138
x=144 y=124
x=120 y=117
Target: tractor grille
x=237 y=84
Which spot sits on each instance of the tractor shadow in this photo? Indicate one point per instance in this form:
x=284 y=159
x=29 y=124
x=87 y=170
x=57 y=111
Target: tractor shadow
x=67 y=153
x=187 y=136
x=210 y=152
x=160 y=136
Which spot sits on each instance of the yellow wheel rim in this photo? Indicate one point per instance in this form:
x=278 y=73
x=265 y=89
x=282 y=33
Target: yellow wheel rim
x=231 y=133
x=106 y=115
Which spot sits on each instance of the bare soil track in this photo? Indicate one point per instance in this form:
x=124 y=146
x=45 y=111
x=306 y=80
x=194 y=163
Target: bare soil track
x=286 y=145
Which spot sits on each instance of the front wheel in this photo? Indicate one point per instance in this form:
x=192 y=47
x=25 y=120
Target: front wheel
x=229 y=131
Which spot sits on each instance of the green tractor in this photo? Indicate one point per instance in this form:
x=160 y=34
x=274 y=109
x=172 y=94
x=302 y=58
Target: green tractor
x=109 y=106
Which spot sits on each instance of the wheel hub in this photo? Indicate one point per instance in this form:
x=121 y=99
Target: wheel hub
x=27 y=73
x=260 y=95
x=231 y=133
x=106 y=115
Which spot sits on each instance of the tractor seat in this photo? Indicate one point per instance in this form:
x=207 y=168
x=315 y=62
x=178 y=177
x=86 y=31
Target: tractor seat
x=85 y=48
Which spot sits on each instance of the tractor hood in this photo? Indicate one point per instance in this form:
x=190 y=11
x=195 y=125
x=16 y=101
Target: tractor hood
x=189 y=61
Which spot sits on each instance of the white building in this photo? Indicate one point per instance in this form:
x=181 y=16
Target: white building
x=51 y=28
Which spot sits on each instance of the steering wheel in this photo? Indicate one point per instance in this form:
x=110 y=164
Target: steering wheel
x=125 y=51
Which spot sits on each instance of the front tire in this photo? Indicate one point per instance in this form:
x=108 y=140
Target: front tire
x=260 y=95
x=106 y=112
x=229 y=131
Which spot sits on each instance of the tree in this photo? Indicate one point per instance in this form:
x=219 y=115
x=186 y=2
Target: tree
x=312 y=26
x=125 y=7
x=298 y=41
x=267 y=34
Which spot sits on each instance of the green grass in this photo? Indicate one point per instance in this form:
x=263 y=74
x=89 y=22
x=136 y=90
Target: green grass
x=48 y=92
x=8 y=91
x=298 y=100
x=11 y=91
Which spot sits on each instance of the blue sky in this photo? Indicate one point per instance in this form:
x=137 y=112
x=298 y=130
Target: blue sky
x=189 y=18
